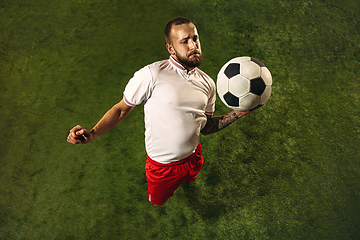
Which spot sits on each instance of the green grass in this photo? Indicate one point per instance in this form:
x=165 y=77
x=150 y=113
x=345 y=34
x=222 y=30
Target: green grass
x=289 y=171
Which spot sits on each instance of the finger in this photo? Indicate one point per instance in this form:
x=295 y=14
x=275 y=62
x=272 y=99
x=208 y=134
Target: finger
x=75 y=141
x=81 y=132
x=84 y=133
x=72 y=138
x=76 y=128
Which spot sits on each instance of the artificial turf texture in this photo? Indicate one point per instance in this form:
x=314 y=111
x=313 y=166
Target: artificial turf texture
x=291 y=170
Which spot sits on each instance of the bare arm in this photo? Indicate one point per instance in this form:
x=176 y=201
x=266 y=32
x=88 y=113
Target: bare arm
x=217 y=123
x=111 y=119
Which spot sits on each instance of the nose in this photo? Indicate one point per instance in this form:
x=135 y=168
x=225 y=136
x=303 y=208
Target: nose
x=193 y=45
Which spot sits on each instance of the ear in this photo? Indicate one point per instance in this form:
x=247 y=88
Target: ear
x=170 y=48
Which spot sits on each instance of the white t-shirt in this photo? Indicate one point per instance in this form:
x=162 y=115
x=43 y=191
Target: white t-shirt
x=176 y=102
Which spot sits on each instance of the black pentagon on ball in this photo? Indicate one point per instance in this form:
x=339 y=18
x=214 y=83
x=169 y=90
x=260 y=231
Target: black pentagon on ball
x=257 y=86
x=231 y=100
x=257 y=62
x=232 y=70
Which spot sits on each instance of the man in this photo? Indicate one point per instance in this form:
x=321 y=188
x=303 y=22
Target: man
x=179 y=100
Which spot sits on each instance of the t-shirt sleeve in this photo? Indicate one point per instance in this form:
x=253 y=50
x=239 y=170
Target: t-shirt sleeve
x=138 y=88
x=210 y=107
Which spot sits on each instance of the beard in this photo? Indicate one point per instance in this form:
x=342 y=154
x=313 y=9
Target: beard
x=195 y=60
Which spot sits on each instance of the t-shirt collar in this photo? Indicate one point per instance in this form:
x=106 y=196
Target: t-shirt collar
x=179 y=66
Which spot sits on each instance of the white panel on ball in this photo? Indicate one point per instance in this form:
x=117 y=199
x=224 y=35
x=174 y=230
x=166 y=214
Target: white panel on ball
x=248 y=102
x=266 y=95
x=240 y=59
x=266 y=76
x=250 y=70
x=239 y=85
x=222 y=85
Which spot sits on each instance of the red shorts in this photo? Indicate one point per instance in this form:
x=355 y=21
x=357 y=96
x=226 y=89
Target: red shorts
x=164 y=179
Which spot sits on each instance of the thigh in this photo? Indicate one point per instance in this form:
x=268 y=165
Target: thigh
x=162 y=181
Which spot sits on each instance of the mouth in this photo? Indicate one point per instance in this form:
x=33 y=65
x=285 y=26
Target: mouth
x=194 y=54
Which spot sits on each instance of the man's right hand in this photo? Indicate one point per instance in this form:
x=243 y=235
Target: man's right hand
x=79 y=135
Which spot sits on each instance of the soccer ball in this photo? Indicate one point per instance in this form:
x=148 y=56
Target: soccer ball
x=244 y=84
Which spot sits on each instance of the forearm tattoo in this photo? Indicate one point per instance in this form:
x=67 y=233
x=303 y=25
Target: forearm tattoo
x=217 y=123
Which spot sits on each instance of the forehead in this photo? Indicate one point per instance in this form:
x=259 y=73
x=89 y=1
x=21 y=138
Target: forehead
x=186 y=30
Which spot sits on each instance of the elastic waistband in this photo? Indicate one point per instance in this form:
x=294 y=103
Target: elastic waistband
x=198 y=151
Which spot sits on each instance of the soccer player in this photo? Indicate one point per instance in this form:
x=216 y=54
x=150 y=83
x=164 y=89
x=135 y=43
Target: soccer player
x=179 y=101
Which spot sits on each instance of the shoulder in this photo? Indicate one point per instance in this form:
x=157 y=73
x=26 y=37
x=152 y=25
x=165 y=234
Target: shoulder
x=159 y=67
x=152 y=68
x=159 y=64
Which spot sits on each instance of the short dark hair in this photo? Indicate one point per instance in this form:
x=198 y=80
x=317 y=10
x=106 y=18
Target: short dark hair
x=171 y=23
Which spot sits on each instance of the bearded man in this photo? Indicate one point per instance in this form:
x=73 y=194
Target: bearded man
x=179 y=101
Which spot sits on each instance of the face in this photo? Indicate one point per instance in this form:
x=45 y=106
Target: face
x=185 y=47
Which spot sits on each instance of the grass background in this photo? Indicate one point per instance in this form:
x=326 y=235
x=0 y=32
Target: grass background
x=289 y=171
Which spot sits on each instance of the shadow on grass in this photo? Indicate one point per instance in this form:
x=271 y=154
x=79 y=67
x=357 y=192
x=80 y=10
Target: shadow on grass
x=226 y=190
x=208 y=208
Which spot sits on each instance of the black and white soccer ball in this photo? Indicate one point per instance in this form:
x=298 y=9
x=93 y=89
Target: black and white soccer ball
x=244 y=84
